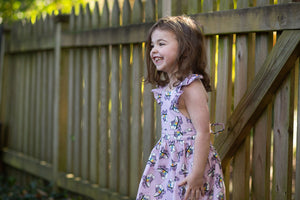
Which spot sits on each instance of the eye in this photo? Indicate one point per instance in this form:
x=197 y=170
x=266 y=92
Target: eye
x=161 y=44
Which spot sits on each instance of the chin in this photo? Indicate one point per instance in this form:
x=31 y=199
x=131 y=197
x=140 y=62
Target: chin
x=161 y=69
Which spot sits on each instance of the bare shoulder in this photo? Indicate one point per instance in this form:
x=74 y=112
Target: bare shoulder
x=195 y=90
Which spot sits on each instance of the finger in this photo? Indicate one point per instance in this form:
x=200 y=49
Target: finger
x=187 y=194
x=198 y=194
x=193 y=194
x=202 y=189
x=182 y=182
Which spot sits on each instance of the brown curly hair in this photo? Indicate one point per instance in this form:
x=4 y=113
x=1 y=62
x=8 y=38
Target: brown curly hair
x=192 y=52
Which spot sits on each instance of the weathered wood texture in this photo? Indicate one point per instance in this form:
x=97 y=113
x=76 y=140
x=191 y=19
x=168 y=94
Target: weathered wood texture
x=240 y=163
x=75 y=109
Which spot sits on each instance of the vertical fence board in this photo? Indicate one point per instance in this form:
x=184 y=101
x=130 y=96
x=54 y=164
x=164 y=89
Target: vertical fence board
x=51 y=96
x=104 y=98
x=2 y=53
x=193 y=6
x=136 y=129
x=241 y=161
x=148 y=100
x=50 y=106
x=18 y=123
x=77 y=112
x=125 y=102
x=261 y=155
x=56 y=100
x=9 y=139
x=78 y=102
x=135 y=151
x=71 y=99
x=162 y=5
x=37 y=120
x=224 y=83
x=282 y=155
x=43 y=109
x=262 y=128
x=85 y=134
x=93 y=166
x=209 y=6
x=6 y=93
x=297 y=178
x=32 y=104
x=26 y=103
x=115 y=109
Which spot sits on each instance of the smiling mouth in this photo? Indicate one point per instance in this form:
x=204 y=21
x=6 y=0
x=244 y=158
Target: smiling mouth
x=157 y=59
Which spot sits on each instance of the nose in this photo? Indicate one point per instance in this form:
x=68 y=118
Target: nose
x=153 y=50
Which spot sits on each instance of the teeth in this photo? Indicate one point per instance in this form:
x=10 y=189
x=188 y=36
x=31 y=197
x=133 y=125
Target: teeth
x=157 y=59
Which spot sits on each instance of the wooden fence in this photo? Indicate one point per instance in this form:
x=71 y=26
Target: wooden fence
x=75 y=110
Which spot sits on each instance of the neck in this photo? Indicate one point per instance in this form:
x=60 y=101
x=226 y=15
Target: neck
x=172 y=81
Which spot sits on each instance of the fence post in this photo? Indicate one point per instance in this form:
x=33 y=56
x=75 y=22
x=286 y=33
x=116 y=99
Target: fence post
x=56 y=114
x=1 y=72
x=2 y=49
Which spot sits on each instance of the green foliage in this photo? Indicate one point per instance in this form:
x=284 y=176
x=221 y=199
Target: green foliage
x=12 y=10
x=9 y=190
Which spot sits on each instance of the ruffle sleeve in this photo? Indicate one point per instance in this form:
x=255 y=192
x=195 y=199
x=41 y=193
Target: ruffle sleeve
x=187 y=81
x=157 y=92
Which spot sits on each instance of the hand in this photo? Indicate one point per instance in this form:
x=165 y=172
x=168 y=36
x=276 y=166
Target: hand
x=194 y=187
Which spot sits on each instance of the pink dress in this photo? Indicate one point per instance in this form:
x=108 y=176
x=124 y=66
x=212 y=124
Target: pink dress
x=171 y=159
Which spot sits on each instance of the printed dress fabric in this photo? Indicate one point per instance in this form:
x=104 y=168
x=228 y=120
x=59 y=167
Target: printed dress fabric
x=171 y=158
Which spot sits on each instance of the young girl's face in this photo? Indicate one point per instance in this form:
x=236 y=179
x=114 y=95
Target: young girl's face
x=164 y=51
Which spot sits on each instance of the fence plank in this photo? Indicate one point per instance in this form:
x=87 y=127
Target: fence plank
x=283 y=138
x=71 y=99
x=32 y=104
x=115 y=109
x=78 y=102
x=44 y=103
x=193 y=6
x=262 y=128
x=56 y=101
x=2 y=53
x=208 y=6
x=85 y=134
x=261 y=155
x=19 y=84
x=224 y=84
x=136 y=129
x=125 y=101
x=77 y=113
x=104 y=99
x=26 y=104
x=50 y=106
x=241 y=160
x=37 y=120
x=94 y=74
x=148 y=100
x=297 y=178
x=263 y=2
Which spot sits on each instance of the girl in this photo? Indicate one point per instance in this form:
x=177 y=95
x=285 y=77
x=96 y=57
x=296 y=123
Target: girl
x=183 y=164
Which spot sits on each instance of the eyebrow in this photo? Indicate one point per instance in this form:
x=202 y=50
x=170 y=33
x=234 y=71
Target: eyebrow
x=159 y=40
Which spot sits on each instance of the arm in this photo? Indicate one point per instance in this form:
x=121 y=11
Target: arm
x=195 y=102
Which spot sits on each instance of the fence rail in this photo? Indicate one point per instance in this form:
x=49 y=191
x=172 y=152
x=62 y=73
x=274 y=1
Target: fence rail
x=75 y=110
